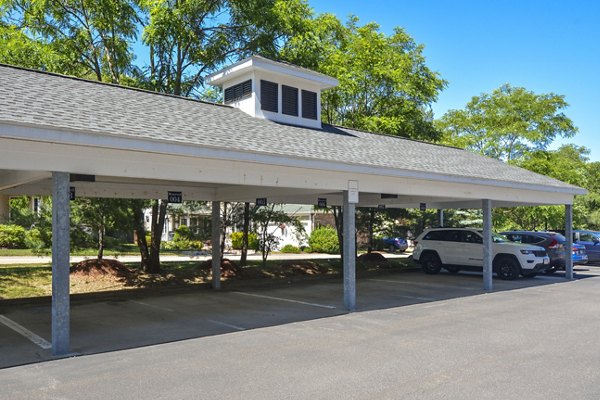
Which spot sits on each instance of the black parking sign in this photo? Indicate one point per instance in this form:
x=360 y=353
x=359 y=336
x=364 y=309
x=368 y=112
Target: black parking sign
x=175 y=197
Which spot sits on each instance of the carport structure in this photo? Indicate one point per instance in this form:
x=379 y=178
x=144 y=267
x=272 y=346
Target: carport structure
x=57 y=132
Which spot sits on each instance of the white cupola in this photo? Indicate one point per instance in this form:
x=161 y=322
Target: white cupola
x=273 y=90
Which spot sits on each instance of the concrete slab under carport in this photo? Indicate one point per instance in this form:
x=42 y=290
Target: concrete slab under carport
x=136 y=320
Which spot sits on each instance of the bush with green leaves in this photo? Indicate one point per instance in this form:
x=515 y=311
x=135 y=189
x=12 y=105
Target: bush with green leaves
x=12 y=237
x=183 y=233
x=182 y=244
x=324 y=240
x=290 y=248
x=236 y=241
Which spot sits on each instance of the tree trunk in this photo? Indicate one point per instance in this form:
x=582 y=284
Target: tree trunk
x=159 y=212
x=338 y=217
x=244 y=255
x=100 y=243
x=224 y=233
x=371 y=222
x=140 y=234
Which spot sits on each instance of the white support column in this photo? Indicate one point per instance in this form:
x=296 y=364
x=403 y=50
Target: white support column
x=569 y=243
x=349 y=253
x=61 y=248
x=487 y=245
x=441 y=217
x=4 y=208
x=216 y=244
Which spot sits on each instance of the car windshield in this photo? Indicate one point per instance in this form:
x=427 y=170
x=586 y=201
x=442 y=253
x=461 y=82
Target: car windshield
x=498 y=238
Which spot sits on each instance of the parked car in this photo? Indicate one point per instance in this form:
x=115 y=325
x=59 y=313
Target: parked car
x=554 y=243
x=579 y=254
x=462 y=248
x=591 y=241
x=397 y=243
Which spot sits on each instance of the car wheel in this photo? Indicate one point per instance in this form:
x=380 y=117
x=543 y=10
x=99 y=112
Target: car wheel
x=550 y=270
x=431 y=263
x=452 y=269
x=507 y=268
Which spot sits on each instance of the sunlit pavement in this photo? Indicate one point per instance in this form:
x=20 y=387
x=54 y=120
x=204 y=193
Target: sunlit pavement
x=414 y=336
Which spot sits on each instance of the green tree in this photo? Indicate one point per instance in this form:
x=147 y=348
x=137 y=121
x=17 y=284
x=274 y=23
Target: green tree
x=101 y=215
x=267 y=220
x=92 y=37
x=187 y=39
x=508 y=124
x=385 y=85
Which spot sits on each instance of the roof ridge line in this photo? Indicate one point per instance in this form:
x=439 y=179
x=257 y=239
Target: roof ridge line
x=114 y=85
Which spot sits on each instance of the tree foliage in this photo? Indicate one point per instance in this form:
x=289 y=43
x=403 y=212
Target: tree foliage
x=508 y=124
x=385 y=84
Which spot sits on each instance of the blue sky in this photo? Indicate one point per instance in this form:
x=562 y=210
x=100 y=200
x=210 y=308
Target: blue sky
x=544 y=46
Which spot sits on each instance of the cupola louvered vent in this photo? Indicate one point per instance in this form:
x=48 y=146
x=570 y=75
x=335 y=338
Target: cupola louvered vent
x=289 y=100
x=238 y=92
x=309 y=104
x=269 y=98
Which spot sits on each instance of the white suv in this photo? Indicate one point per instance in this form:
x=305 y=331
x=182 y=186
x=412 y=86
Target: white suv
x=462 y=248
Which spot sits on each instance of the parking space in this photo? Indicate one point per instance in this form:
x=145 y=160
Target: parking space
x=103 y=325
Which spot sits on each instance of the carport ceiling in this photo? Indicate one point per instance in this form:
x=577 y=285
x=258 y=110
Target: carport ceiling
x=140 y=144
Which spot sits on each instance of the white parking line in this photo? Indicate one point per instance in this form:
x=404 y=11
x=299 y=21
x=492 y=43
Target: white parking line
x=425 y=284
x=152 y=305
x=239 y=328
x=44 y=344
x=287 y=300
x=419 y=298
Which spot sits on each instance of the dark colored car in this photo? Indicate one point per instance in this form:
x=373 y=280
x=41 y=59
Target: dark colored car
x=393 y=244
x=591 y=241
x=554 y=243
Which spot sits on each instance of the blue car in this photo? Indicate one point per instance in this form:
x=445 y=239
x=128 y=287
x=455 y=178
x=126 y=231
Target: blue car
x=397 y=243
x=591 y=241
x=579 y=254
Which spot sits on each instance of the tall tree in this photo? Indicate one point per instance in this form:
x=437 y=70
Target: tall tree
x=101 y=215
x=189 y=38
x=509 y=123
x=385 y=84
x=92 y=36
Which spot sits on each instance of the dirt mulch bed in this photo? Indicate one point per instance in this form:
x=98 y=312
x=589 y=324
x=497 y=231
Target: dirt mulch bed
x=229 y=269
x=370 y=260
x=100 y=275
x=97 y=268
x=304 y=268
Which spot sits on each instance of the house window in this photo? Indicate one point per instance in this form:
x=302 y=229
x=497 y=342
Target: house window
x=309 y=104
x=269 y=98
x=238 y=92
x=289 y=100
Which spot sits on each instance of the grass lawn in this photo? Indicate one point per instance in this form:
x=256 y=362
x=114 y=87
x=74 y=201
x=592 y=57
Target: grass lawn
x=20 y=281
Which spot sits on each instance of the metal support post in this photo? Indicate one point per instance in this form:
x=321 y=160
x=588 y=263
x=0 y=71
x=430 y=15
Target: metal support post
x=216 y=244
x=441 y=217
x=487 y=244
x=349 y=254
x=61 y=248
x=569 y=243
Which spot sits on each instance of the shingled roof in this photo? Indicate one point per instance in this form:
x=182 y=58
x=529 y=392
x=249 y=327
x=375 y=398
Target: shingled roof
x=53 y=101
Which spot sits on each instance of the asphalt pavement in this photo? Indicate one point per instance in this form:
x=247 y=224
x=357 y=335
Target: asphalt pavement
x=531 y=339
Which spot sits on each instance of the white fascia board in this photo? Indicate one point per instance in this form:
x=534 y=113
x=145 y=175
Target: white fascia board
x=90 y=139
x=260 y=63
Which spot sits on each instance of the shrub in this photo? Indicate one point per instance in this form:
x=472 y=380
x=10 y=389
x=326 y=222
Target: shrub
x=182 y=245
x=183 y=233
x=236 y=241
x=290 y=248
x=12 y=236
x=324 y=240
